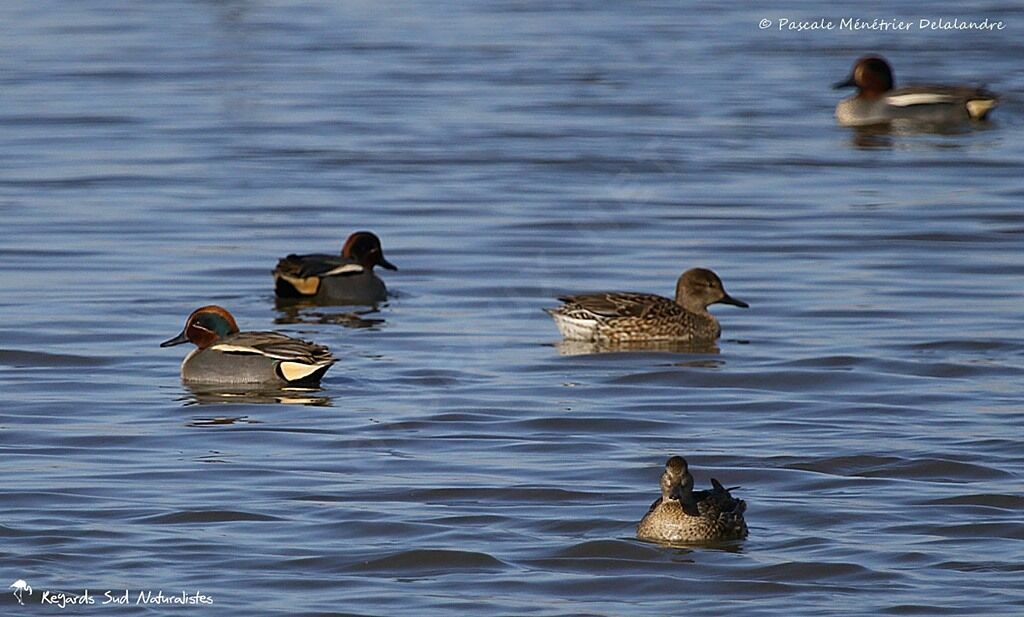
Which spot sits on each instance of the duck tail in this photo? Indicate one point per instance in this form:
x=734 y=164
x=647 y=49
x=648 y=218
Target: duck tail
x=981 y=103
x=717 y=487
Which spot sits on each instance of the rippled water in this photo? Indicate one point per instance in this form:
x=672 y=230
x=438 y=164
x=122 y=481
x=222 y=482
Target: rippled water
x=160 y=156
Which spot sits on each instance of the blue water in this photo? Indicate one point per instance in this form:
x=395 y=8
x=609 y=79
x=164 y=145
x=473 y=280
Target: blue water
x=156 y=157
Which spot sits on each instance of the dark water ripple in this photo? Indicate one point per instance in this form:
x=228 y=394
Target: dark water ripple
x=458 y=460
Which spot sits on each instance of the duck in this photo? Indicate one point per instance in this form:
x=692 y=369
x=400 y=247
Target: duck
x=333 y=279
x=223 y=355
x=682 y=515
x=878 y=102
x=622 y=317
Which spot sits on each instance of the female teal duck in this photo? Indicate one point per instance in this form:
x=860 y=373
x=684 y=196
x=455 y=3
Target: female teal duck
x=620 y=317
x=333 y=279
x=223 y=355
x=681 y=515
x=877 y=102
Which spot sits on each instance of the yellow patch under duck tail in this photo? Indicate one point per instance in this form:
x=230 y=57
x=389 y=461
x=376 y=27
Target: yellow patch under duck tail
x=979 y=108
x=305 y=286
x=297 y=371
x=310 y=285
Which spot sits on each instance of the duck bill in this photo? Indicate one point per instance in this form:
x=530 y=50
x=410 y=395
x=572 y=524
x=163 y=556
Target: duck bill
x=733 y=301
x=178 y=340
x=849 y=82
x=384 y=263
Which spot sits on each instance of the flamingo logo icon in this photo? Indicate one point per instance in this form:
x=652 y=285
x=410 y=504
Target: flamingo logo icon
x=20 y=587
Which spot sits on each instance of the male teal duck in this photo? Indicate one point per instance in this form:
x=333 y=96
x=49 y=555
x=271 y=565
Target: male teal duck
x=620 y=317
x=223 y=355
x=334 y=279
x=878 y=102
x=682 y=515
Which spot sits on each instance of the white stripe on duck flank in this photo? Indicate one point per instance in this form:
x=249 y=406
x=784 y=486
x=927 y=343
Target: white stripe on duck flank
x=919 y=98
x=344 y=269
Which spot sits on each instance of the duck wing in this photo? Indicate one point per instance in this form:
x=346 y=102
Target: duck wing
x=611 y=305
x=937 y=95
x=305 y=266
x=275 y=345
x=299 y=275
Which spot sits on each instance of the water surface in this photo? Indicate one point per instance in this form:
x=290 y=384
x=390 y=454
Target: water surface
x=161 y=156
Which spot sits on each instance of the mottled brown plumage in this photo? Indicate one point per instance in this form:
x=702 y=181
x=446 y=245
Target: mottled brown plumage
x=628 y=316
x=682 y=515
